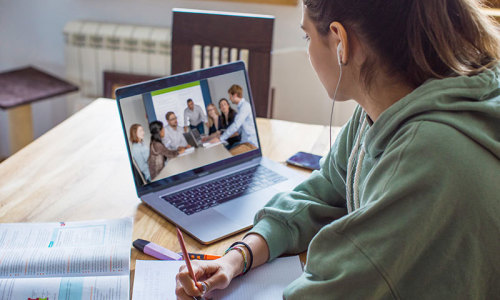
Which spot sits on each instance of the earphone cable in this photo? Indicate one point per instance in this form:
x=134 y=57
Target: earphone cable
x=333 y=104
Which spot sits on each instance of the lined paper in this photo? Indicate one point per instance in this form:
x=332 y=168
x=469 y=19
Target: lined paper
x=156 y=280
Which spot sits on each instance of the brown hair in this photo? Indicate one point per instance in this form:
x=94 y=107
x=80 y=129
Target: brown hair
x=210 y=120
x=133 y=133
x=415 y=39
x=230 y=115
x=236 y=89
x=167 y=115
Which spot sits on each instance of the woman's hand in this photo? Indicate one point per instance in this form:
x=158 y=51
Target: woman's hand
x=215 y=274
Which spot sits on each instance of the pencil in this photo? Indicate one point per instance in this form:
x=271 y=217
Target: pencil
x=185 y=254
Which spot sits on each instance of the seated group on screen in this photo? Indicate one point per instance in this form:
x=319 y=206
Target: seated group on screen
x=150 y=159
x=234 y=128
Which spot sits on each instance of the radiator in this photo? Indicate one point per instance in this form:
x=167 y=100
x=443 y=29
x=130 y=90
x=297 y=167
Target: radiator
x=94 y=47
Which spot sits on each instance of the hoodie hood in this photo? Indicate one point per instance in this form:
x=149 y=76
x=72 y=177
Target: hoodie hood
x=466 y=103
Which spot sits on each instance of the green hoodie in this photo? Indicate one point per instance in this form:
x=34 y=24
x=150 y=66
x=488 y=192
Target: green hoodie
x=415 y=214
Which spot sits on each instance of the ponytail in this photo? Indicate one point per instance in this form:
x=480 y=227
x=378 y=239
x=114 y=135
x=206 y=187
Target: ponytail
x=450 y=37
x=155 y=128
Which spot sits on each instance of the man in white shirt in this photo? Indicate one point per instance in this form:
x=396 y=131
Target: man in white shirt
x=174 y=138
x=194 y=117
x=243 y=121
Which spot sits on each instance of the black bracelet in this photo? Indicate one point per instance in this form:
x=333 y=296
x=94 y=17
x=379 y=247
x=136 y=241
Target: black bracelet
x=249 y=251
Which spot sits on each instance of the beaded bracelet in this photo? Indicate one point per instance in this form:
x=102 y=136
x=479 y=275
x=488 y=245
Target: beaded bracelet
x=244 y=257
x=249 y=252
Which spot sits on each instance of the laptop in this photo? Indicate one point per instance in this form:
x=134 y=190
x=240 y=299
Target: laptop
x=193 y=138
x=210 y=193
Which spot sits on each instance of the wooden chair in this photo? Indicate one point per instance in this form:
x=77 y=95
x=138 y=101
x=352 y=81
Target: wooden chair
x=113 y=80
x=220 y=34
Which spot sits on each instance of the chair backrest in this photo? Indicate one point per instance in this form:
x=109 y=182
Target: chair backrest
x=113 y=80
x=137 y=171
x=219 y=34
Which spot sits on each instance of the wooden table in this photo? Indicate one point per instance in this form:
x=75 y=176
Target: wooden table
x=79 y=171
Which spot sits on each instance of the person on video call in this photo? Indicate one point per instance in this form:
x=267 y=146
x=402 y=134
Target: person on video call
x=227 y=115
x=194 y=117
x=406 y=204
x=217 y=123
x=214 y=122
x=243 y=122
x=158 y=153
x=140 y=152
x=174 y=138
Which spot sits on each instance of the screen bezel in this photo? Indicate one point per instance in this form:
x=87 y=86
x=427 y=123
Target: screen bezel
x=174 y=80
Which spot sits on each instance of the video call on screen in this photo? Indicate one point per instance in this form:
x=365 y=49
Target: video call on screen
x=194 y=143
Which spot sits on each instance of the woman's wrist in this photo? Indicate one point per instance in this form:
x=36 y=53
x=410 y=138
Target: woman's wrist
x=236 y=262
x=243 y=255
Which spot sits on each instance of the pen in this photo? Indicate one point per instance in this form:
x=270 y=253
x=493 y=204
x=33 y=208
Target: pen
x=199 y=256
x=155 y=250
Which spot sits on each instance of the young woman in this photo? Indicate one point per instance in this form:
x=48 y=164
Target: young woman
x=406 y=205
x=214 y=119
x=227 y=115
x=158 y=153
x=140 y=152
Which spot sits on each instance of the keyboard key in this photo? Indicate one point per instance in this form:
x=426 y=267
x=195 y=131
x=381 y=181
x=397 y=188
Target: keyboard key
x=221 y=190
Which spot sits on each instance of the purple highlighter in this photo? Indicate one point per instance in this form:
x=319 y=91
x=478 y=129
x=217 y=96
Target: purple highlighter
x=155 y=250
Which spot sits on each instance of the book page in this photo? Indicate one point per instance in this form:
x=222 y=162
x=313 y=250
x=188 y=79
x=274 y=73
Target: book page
x=65 y=288
x=65 y=249
x=156 y=280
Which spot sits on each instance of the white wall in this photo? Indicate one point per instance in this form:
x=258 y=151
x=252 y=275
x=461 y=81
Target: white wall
x=299 y=95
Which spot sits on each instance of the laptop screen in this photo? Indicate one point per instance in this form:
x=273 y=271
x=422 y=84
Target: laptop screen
x=187 y=125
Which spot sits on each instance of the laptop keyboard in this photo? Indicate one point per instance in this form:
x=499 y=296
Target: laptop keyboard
x=223 y=189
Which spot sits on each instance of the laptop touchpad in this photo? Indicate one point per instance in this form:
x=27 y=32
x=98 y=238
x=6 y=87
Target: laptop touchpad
x=243 y=210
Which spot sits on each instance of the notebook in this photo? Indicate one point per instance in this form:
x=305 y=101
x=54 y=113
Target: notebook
x=155 y=280
x=213 y=192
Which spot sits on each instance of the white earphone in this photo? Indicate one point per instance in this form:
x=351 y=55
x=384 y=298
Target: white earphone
x=339 y=52
x=339 y=58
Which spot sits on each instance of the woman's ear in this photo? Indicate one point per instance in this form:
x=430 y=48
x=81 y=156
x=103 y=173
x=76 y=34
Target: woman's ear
x=343 y=44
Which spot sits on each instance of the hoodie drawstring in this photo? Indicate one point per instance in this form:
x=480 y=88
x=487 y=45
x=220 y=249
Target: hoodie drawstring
x=352 y=186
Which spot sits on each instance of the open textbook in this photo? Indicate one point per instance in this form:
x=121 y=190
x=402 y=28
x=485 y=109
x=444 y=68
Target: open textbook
x=73 y=260
x=155 y=280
